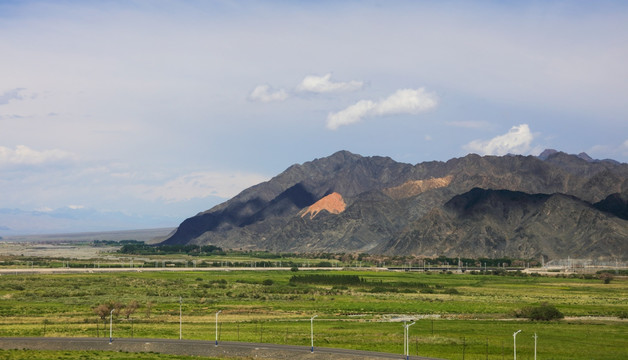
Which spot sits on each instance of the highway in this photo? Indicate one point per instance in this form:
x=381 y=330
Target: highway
x=196 y=348
x=65 y=270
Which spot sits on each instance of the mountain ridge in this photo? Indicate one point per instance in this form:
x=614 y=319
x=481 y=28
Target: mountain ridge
x=384 y=200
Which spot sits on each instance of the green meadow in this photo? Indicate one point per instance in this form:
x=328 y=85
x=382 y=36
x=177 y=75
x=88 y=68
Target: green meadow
x=457 y=315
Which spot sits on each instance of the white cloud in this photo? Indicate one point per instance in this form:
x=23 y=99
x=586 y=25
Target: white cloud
x=323 y=84
x=264 y=93
x=404 y=101
x=516 y=141
x=23 y=155
x=200 y=185
x=350 y=115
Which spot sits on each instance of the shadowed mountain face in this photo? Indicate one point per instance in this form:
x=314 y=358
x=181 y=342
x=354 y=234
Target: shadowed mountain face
x=498 y=223
x=519 y=206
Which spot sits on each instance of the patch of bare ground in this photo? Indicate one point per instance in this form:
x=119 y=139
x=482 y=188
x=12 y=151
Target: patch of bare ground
x=416 y=187
x=332 y=203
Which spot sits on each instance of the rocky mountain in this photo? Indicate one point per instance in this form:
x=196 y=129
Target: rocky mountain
x=519 y=206
x=497 y=223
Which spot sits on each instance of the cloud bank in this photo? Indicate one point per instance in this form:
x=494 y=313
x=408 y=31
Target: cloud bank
x=23 y=155
x=517 y=140
x=311 y=83
x=14 y=94
x=404 y=101
x=201 y=185
x=323 y=84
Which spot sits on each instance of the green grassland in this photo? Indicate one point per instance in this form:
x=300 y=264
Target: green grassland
x=88 y=355
x=455 y=313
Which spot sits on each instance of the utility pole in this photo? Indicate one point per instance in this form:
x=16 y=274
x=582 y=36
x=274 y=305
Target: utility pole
x=535 y=337
x=312 y=330
x=218 y=312
x=180 y=318
x=514 y=337
x=111 y=326
x=406 y=346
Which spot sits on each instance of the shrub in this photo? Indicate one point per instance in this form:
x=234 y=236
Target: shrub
x=267 y=282
x=380 y=289
x=543 y=312
x=606 y=277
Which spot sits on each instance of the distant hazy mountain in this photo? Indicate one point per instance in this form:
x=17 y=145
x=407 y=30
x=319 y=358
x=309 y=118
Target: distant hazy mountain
x=520 y=206
x=72 y=220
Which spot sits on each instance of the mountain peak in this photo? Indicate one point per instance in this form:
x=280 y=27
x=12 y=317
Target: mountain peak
x=547 y=153
x=584 y=156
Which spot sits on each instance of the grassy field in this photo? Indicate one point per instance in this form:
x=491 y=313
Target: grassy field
x=455 y=314
x=86 y=355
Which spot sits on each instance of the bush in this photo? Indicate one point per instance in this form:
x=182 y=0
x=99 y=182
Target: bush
x=267 y=282
x=606 y=277
x=379 y=289
x=543 y=312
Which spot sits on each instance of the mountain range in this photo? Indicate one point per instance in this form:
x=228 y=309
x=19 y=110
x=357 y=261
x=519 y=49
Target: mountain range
x=552 y=205
x=70 y=220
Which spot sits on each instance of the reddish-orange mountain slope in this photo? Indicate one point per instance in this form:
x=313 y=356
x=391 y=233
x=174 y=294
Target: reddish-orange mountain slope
x=333 y=203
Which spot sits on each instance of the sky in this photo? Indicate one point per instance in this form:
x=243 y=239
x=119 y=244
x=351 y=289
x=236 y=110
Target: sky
x=157 y=110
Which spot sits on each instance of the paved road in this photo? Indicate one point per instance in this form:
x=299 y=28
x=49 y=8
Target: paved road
x=197 y=348
x=19 y=271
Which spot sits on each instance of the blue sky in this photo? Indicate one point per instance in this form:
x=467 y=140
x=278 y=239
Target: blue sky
x=162 y=109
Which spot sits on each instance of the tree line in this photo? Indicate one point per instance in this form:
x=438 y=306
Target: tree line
x=193 y=250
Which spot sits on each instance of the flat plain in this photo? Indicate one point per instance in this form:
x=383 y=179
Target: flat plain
x=457 y=315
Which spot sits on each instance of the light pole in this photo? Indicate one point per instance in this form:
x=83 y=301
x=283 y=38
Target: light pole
x=514 y=339
x=406 y=342
x=180 y=318
x=535 y=337
x=218 y=312
x=312 y=330
x=111 y=325
x=405 y=330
